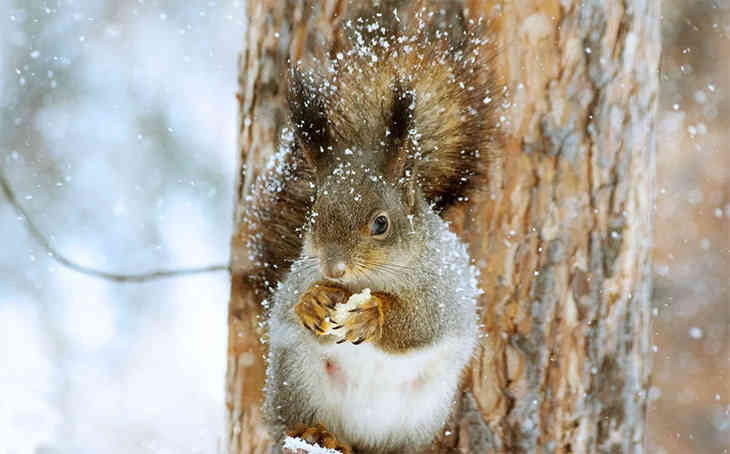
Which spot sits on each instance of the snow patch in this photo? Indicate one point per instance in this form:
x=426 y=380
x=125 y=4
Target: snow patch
x=297 y=445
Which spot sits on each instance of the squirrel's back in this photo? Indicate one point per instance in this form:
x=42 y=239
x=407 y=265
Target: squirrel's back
x=437 y=101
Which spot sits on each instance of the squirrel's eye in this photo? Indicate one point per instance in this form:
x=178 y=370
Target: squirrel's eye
x=379 y=226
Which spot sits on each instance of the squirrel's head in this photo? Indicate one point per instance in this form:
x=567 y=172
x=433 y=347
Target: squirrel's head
x=368 y=210
x=363 y=228
x=387 y=137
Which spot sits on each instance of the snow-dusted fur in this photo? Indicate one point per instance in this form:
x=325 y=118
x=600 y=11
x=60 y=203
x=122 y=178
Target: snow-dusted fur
x=379 y=402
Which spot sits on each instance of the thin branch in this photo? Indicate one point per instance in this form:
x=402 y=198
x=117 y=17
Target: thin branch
x=68 y=263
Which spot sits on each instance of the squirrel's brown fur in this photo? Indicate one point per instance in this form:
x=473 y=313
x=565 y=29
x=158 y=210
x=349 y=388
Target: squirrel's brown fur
x=434 y=102
x=433 y=105
x=277 y=214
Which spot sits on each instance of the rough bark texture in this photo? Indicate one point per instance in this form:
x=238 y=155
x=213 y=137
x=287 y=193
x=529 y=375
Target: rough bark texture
x=563 y=246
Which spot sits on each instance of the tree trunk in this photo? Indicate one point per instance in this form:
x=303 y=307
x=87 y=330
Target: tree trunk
x=563 y=246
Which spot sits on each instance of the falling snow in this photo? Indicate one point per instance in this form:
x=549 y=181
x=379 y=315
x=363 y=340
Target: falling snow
x=117 y=130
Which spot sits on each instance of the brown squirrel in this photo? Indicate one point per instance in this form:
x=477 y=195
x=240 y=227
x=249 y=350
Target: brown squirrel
x=383 y=139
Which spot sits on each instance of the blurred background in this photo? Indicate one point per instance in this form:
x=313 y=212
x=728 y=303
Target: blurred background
x=117 y=133
x=689 y=410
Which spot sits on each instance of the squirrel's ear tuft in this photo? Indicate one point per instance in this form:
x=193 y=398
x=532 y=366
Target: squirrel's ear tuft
x=400 y=122
x=308 y=116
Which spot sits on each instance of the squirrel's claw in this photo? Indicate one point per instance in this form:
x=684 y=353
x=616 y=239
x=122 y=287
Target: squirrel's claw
x=316 y=305
x=365 y=322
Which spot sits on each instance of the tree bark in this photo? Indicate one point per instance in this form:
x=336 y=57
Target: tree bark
x=563 y=246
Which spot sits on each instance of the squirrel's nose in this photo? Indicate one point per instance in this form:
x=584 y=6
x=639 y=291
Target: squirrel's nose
x=334 y=269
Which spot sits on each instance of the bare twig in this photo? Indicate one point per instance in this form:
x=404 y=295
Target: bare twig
x=116 y=277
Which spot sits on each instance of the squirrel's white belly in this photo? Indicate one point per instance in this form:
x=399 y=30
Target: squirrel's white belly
x=373 y=397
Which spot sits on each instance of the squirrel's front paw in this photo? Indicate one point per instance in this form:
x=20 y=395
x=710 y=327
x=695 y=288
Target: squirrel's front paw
x=319 y=435
x=316 y=306
x=365 y=322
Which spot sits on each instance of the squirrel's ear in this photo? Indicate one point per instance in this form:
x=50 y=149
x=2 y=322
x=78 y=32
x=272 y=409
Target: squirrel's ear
x=308 y=117
x=399 y=123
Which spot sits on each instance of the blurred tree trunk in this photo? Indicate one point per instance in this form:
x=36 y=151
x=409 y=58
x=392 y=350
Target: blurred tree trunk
x=563 y=246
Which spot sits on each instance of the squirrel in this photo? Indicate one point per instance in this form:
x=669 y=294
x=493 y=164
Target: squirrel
x=382 y=141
